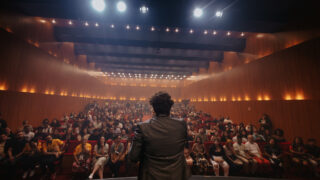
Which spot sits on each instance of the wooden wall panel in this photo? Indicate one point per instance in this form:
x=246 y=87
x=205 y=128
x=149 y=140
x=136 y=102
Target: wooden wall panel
x=296 y=118
x=294 y=71
x=16 y=107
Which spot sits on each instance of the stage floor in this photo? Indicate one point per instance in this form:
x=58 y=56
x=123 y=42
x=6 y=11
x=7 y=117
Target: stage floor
x=208 y=178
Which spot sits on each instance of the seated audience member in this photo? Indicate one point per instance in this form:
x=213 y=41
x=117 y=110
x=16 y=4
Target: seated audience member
x=27 y=133
x=52 y=152
x=32 y=158
x=278 y=136
x=249 y=162
x=199 y=155
x=26 y=123
x=84 y=133
x=257 y=137
x=101 y=157
x=252 y=148
x=274 y=154
x=267 y=135
x=82 y=157
x=217 y=155
x=117 y=148
x=265 y=122
x=313 y=151
x=189 y=160
x=230 y=155
x=14 y=148
x=55 y=124
x=3 y=141
x=95 y=136
x=202 y=135
x=56 y=134
x=46 y=128
x=124 y=135
x=298 y=152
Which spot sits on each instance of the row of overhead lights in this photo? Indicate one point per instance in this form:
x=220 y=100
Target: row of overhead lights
x=145 y=76
x=121 y=6
x=152 y=28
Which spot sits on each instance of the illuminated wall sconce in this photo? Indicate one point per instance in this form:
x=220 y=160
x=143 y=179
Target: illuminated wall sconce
x=205 y=99
x=179 y=100
x=199 y=100
x=300 y=96
x=24 y=89
x=32 y=90
x=266 y=98
x=213 y=99
x=233 y=98
x=239 y=98
x=3 y=87
x=247 y=98
x=288 y=97
x=259 y=98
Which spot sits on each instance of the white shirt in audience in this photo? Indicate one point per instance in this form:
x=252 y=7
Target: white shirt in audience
x=28 y=136
x=240 y=148
x=253 y=148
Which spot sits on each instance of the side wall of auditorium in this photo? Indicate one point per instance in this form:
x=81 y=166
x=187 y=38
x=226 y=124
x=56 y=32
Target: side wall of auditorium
x=284 y=85
x=35 y=85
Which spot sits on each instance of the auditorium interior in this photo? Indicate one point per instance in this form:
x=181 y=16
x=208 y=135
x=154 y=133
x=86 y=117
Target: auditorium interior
x=77 y=73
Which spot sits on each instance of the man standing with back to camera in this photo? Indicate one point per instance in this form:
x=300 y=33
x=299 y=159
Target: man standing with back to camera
x=159 y=143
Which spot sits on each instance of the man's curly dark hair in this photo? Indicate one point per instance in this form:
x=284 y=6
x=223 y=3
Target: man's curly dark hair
x=161 y=103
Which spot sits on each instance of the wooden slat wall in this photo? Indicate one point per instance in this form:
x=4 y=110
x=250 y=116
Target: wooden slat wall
x=293 y=71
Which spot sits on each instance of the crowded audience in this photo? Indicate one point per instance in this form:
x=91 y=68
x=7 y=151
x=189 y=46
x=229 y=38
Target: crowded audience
x=233 y=148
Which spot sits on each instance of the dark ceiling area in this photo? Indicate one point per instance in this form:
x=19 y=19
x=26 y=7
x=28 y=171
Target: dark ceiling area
x=125 y=50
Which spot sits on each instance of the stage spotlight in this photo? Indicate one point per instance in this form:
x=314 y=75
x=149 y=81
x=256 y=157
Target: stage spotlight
x=214 y=32
x=152 y=29
x=86 y=24
x=242 y=34
x=70 y=22
x=97 y=25
x=176 y=30
x=53 y=21
x=127 y=27
x=137 y=28
x=167 y=29
x=205 y=32
x=144 y=9
x=228 y=33
x=219 y=13
x=191 y=31
x=112 y=25
x=197 y=12
x=121 y=6
x=98 y=5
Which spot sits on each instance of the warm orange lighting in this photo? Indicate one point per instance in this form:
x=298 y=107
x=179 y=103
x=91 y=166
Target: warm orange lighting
x=42 y=21
x=288 y=97
x=32 y=90
x=299 y=96
x=239 y=98
x=259 y=98
x=247 y=98
x=266 y=98
x=233 y=99
x=52 y=92
x=142 y=99
x=24 y=90
x=205 y=99
x=179 y=100
x=164 y=86
x=199 y=100
x=213 y=99
x=3 y=87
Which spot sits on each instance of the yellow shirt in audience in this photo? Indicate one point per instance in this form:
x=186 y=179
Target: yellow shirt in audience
x=53 y=147
x=78 y=149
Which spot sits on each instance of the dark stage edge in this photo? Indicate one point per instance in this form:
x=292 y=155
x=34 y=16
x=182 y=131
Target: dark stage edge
x=207 y=178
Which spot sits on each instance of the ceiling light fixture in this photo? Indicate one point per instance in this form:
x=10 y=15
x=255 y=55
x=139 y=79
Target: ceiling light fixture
x=98 y=5
x=144 y=9
x=219 y=14
x=197 y=12
x=121 y=6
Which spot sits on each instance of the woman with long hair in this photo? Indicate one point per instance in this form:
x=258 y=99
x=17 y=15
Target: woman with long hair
x=101 y=156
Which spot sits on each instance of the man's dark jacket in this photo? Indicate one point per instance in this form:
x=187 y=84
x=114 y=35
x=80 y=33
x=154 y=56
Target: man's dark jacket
x=158 y=145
